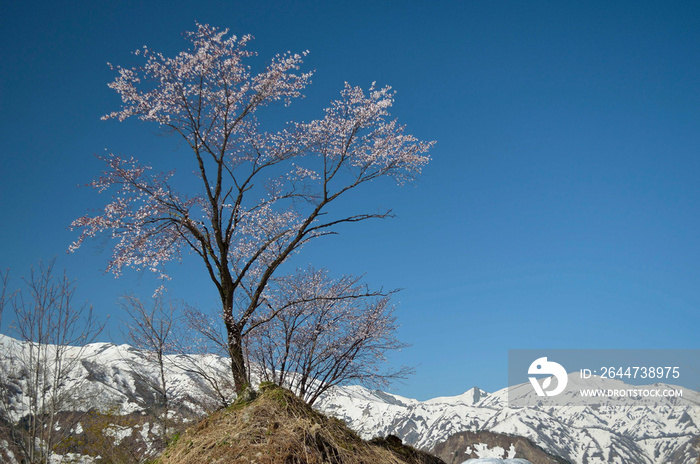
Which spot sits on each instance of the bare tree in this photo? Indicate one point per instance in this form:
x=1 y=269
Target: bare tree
x=4 y=279
x=36 y=366
x=261 y=195
x=320 y=332
x=175 y=339
x=151 y=329
x=6 y=427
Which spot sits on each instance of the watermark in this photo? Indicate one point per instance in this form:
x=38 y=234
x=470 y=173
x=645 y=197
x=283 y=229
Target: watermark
x=550 y=368
x=603 y=377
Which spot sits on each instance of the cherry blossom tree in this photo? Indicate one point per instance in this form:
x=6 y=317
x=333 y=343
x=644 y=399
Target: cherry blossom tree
x=261 y=195
x=325 y=332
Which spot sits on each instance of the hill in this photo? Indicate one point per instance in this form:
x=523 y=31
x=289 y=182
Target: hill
x=278 y=428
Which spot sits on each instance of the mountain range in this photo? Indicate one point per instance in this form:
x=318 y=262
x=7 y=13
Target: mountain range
x=121 y=379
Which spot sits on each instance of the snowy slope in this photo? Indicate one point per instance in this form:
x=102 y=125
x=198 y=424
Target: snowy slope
x=118 y=377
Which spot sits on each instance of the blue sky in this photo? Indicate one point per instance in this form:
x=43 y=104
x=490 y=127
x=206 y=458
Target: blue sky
x=560 y=209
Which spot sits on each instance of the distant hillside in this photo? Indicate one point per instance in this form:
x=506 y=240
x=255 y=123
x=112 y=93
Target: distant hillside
x=278 y=428
x=467 y=445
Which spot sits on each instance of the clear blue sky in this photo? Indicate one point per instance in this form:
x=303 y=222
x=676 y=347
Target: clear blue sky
x=560 y=209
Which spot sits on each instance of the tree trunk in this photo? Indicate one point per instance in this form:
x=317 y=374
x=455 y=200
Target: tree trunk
x=239 y=370
x=164 y=394
x=238 y=365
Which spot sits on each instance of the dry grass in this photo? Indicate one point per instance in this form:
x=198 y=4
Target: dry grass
x=275 y=428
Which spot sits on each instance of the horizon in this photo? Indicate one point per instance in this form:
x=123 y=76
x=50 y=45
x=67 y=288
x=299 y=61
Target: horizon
x=558 y=211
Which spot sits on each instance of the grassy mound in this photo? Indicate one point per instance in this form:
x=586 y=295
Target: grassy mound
x=278 y=428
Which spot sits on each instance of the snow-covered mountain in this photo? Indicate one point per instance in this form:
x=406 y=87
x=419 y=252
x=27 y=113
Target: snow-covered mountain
x=655 y=431
x=120 y=378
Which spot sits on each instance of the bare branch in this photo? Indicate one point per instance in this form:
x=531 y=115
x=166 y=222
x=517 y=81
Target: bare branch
x=321 y=332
